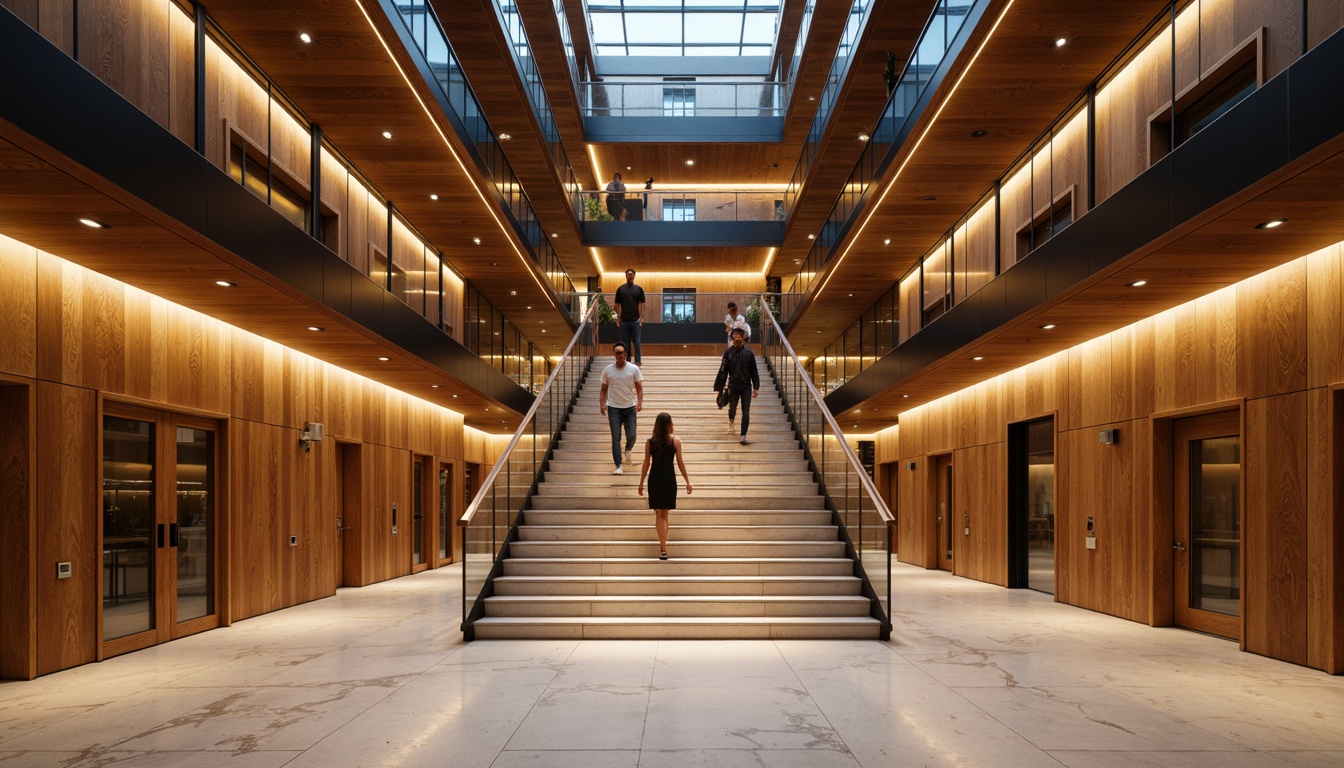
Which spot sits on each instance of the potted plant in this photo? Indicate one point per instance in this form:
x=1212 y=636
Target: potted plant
x=890 y=75
x=753 y=312
x=605 y=314
x=593 y=210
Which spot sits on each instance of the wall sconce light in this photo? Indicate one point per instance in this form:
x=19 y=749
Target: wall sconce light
x=312 y=433
x=910 y=466
x=1108 y=436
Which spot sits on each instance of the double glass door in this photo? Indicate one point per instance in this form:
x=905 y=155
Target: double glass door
x=158 y=542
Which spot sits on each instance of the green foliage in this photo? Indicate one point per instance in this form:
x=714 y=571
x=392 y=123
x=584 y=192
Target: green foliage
x=753 y=313
x=605 y=314
x=593 y=210
x=890 y=75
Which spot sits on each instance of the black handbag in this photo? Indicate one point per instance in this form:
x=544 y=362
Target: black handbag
x=722 y=399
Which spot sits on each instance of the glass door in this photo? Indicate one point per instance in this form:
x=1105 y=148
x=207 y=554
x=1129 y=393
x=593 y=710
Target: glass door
x=445 y=513
x=1207 y=524
x=417 y=515
x=158 y=542
x=1031 y=490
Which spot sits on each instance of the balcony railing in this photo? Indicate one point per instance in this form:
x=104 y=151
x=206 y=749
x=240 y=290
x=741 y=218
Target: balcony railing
x=690 y=206
x=682 y=99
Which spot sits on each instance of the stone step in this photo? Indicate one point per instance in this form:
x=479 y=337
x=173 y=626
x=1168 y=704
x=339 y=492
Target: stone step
x=676 y=628
x=677 y=548
x=677 y=585
x=645 y=532
x=627 y=499
x=725 y=489
x=683 y=517
x=708 y=472
x=680 y=565
x=651 y=606
x=755 y=452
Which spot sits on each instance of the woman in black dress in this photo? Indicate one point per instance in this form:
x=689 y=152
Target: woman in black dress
x=659 y=451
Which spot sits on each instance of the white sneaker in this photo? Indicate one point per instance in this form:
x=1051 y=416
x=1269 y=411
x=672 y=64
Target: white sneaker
x=618 y=471
x=628 y=460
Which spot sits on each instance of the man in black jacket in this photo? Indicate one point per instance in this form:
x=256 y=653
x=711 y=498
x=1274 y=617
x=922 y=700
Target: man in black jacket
x=738 y=373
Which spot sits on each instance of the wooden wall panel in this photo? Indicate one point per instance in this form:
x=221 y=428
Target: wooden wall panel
x=19 y=297
x=146 y=348
x=18 y=540
x=182 y=76
x=1325 y=545
x=126 y=44
x=1124 y=105
x=1274 y=527
x=1324 y=18
x=1325 y=317
x=198 y=352
x=1271 y=333
x=68 y=523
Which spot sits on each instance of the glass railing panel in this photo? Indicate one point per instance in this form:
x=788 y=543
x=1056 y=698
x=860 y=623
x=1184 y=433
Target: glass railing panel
x=860 y=510
x=686 y=206
x=493 y=514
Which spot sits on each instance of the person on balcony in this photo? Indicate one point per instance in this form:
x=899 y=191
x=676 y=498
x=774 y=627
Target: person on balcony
x=616 y=197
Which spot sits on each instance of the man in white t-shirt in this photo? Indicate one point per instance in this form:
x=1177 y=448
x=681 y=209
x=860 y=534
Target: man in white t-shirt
x=734 y=319
x=622 y=397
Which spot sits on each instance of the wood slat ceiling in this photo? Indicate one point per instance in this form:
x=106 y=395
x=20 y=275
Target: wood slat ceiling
x=1178 y=271
x=40 y=204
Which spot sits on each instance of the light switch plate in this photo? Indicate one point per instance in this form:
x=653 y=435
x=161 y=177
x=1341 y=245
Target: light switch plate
x=1091 y=542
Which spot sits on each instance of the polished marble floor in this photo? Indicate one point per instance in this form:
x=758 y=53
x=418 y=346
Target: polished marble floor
x=974 y=676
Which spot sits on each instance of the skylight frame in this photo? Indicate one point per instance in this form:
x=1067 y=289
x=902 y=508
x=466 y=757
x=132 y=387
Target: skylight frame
x=747 y=40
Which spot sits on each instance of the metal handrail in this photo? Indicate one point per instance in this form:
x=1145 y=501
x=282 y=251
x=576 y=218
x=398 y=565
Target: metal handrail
x=503 y=459
x=878 y=503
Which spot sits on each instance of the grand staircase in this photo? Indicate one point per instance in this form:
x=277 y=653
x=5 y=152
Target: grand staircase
x=753 y=552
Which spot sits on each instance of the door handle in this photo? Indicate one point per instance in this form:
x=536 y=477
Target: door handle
x=172 y=535
x=159 y=535
x=1179 y=546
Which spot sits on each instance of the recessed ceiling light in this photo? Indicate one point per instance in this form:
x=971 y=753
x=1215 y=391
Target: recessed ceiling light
x=811 y=98
x=305 y=37
x=225 y=284
x=433 y=197
x=316 y=328
x=513 y=293
x=1138 y=283
x=977 y=358
x=1060 y=42
x=690 y=162
x=811 y=237
x=1047 y=326
x=387 y=134
x=384 y=359
x=688 y=258
x=887 y=241
x=93 y=224
x=864 y=136
x=505 y=136
x=1272 y=223
x=774 y=165
x=529 y=307
x=454 y=396
x=477 y=241
x=797 y=261
x=904 y=395
x=979 y=133
x=851 y=295
x=555 y=234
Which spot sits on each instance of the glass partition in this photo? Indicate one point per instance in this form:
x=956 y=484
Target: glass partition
x=859 y=508
x=682 y=98
x=490 y=518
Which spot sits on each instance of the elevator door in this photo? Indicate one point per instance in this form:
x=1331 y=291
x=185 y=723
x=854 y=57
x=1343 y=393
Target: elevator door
x=1206 y=562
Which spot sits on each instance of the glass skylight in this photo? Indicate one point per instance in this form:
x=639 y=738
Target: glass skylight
x=683 y=27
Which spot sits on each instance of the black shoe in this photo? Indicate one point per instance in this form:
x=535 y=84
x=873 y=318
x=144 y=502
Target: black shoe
x=663 y=556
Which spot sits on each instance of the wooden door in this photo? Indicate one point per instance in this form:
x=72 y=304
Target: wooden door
x=944 y=525
x=351 y=508
x=1206 y=529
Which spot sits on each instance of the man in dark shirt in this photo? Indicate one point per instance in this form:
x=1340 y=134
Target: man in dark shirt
x=630 y=298
x=738 y=373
